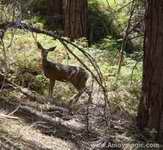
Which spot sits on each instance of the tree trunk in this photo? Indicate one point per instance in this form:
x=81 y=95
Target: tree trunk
x=76 y=18
x=150 y=111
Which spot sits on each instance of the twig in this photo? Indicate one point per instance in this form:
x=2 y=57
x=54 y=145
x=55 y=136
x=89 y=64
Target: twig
x=4 y=55
x=135 y=37
x=125 y=39
x=119 y=9
x=3 y=116
x=12 y=38
x=135 y=66
x=11 y=113
x=35 y=124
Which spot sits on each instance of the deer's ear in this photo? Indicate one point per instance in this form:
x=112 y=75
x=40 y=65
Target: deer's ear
x=39 y=45
x=52 y=48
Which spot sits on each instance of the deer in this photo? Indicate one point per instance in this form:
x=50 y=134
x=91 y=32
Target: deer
x=76 y=75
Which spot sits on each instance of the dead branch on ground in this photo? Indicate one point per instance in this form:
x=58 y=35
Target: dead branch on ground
x=68 y=126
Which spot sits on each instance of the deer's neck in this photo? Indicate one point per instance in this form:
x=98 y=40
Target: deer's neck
x=44 y=61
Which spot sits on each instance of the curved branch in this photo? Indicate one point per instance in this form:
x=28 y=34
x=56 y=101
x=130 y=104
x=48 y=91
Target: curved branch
x=56 y=35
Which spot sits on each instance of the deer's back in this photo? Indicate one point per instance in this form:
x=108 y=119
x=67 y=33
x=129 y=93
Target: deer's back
x=76 y=75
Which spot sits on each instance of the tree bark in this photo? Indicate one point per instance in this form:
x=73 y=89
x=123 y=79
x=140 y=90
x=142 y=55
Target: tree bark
x=76 y=18
x=150 y=111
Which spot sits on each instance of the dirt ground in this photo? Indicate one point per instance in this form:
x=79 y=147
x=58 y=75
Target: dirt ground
x=16 y=134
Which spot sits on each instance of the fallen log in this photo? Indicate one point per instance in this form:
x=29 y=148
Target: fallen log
x=55 y=121
x=45 y=107
x=31 y=94
x=70 y=126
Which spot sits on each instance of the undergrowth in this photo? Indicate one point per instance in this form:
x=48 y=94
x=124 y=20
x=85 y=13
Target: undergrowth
x=24 y=59
x=105 y=27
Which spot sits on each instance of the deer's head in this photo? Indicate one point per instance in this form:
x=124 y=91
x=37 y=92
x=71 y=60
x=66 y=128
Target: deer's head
x=45 y=51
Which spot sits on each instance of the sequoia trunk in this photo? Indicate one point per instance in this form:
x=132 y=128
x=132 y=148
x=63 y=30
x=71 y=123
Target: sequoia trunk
x=150 y=112
x=75 y=25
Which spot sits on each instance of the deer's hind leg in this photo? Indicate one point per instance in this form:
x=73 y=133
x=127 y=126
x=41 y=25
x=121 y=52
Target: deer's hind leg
x=76 y=97
x=51 y=87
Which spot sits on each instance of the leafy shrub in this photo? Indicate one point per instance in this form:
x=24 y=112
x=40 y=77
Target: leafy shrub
x=101 y=22
x=40 y=83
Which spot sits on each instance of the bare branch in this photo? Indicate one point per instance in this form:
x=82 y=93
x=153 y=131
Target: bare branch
x=125 y=38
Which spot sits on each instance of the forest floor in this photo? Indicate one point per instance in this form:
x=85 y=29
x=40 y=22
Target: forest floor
x=17 y=134
x=27 y=121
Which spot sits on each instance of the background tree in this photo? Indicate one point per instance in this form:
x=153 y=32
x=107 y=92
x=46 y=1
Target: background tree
x=75 y=22
x=150 y=113
x=55 y=12
x=54 y=8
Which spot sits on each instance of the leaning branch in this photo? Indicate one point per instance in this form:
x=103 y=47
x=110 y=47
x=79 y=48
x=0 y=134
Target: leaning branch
x=125 y=38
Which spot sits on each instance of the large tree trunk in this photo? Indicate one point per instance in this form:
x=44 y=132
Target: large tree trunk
x=76 y=17
x=150 y=112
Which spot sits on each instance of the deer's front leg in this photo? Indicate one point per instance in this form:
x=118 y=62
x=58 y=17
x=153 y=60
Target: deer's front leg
x=51 y=86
